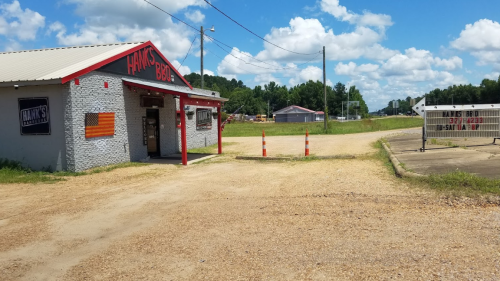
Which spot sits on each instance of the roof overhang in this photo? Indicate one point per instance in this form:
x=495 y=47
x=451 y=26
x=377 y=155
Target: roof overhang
x=170 y=89
x=30 y=83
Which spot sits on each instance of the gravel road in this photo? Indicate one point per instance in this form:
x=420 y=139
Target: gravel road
x=227 y=219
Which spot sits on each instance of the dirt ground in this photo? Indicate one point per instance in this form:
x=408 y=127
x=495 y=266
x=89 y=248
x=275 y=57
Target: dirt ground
x=227 y=219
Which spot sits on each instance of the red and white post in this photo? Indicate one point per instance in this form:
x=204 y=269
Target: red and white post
x=264 y=152
x=307 y=142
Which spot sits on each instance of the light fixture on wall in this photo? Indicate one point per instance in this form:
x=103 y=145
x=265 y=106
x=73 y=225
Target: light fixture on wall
x=172 y=77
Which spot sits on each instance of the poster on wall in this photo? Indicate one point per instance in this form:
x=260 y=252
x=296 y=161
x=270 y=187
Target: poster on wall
x=34 y=117
x=203 y=119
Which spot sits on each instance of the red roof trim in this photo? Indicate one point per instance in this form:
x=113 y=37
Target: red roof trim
x=119 y=56
x=171 y=66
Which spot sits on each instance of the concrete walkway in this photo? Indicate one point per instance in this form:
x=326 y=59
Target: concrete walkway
x=478 y=155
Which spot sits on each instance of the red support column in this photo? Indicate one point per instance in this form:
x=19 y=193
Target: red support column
x=219 y=130
x=183 y=132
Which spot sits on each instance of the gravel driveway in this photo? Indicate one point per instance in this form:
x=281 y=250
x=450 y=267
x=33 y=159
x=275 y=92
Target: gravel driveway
x=227 y=219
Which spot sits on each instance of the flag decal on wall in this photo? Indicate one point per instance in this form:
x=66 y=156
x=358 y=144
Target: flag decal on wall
x=99 y=124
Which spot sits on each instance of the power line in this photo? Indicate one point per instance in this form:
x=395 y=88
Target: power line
x=215 y=40
x=273 y=66
x=254 y=32
x=188 y=51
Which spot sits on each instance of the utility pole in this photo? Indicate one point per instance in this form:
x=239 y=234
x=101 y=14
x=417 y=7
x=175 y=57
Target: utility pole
x=347 y=118
x=325 y=115
x=201 y=55
x=267 y=109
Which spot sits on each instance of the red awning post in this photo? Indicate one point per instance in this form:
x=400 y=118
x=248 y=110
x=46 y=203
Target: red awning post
x=183 y=132
x=219 y=130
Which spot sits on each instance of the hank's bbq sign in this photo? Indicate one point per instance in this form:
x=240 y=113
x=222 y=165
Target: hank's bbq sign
x=463 y=123
x=145 y=63
x=34 y=118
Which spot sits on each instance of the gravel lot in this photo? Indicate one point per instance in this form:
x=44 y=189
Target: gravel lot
x=227 y=219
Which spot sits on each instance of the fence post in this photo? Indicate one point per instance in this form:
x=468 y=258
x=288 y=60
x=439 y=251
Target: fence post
x=307 y=142
x=264 y=152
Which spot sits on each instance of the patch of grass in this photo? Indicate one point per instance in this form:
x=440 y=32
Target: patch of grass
x=382 y=156
x=444 y=142
x=455 y=183
x=14 y=172
x=244 y=129
x=462 y=184
x=210 y=149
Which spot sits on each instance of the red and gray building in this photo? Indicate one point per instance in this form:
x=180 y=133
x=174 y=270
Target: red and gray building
x=76 y=108
x=294 y=113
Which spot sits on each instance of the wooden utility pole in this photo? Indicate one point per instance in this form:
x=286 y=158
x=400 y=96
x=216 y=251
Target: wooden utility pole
x=324 y=89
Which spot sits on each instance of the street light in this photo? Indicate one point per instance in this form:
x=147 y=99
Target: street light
x=202 y=33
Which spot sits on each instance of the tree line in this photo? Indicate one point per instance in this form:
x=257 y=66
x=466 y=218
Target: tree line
x=274 y=97
x=487 y=92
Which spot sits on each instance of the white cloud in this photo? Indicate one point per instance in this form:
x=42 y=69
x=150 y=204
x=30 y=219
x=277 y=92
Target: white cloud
x=14 y=22
x=183 y=70
x=195 y=16
x=492 y=76
x=131 y=21
x=482 y=40
x=449 y=64
x=206 y=72
x=334 y=8
x=263 y=79
x=309 y=73
x=308 y=36
x=238 y=62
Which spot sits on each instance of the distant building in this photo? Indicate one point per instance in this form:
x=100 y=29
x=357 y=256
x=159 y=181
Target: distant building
x=295 y=113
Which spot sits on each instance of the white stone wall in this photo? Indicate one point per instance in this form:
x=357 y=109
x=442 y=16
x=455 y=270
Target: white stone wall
x=198 y=138
x=127 y=144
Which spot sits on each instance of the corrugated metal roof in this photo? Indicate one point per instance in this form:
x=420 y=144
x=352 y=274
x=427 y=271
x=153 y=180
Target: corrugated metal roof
x=293 y=109
x=194 y=93
x=55 y=63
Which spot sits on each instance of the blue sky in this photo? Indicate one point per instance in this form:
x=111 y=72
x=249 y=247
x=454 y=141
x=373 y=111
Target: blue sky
x=388 y=49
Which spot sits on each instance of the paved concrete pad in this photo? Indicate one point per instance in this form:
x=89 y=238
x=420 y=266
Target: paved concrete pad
x=478 y=156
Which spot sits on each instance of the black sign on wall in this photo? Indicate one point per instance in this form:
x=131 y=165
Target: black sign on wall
x=203 y=119
x=34 y=117
x=146 y=64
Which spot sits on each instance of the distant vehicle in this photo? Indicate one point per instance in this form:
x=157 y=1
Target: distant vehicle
x=260 y=118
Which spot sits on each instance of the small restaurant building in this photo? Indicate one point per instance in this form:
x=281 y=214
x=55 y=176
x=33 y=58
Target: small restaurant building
x=76 y=108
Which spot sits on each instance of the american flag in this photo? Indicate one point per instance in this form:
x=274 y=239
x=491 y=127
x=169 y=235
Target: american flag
x=99 y=124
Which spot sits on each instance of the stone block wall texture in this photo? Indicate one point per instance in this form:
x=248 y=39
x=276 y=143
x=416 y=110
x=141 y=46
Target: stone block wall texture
x=127 y=144
x=38 y=152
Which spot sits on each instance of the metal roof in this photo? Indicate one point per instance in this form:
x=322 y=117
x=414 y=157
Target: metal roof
x=55 y=63
x=293 y=109
x=194 y=93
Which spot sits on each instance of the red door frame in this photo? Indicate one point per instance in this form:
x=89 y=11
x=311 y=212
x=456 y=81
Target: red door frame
x=183 y=101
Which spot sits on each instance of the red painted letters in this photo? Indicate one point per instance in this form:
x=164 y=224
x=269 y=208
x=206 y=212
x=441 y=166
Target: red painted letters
x=143 y=59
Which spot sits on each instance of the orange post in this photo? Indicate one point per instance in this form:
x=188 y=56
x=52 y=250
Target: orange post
x=264 y=152
x=307 y=142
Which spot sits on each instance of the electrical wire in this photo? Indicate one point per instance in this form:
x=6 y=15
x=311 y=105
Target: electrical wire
x=273 y=66
x=256 y=34
x=188 y=51
x=215 y=40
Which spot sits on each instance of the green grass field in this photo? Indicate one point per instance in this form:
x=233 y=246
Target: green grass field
x=249 y=129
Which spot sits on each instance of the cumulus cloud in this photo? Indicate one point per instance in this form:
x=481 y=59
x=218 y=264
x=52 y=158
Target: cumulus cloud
x=195 y=16
x=263 y=79
x=182 y=69
x=131 y=21
x=340 y=12
x=238 y=62
x=308 y=36
x=482 y=40
x=309 y=73
x=16 y=22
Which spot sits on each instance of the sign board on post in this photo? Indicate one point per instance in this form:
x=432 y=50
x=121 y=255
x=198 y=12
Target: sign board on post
x=483 y=123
